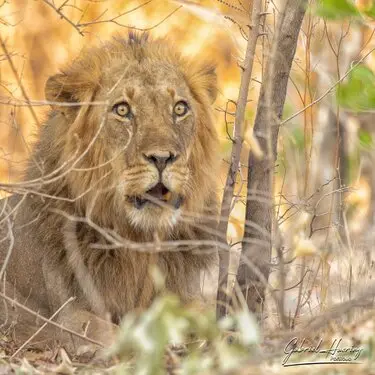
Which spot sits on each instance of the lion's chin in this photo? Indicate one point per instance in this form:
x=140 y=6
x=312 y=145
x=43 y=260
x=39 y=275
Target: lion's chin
x=152 y=217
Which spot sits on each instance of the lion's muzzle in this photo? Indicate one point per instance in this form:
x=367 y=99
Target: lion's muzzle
x=160 y=159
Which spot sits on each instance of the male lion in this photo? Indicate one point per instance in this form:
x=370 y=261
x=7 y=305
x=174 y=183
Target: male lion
x=122 y=177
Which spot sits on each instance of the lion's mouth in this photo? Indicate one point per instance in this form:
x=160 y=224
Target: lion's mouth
x=158 y=195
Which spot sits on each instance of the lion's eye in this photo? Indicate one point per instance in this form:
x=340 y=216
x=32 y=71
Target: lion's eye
x=181 y=108
x=122 y=109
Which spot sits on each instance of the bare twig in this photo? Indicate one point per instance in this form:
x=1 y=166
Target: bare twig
x=22 y=88
x=44 y=103
x=63 y=16
x=113 y=19
x=10 y=248
x=80 y=26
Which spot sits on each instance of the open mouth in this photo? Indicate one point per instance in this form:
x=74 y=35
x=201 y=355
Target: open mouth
x=158 y=195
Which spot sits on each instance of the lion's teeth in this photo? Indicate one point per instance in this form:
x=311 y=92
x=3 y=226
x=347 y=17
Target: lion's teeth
x=168 y=196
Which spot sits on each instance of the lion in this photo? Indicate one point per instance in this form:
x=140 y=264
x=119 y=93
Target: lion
x=122 y=178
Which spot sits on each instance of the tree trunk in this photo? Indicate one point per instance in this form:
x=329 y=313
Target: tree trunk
x=226 y=204
x=254 y=264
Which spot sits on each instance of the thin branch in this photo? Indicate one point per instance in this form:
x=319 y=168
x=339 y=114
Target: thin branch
x=23 y=91
x=80 y=26
x=63 y=16
x=14 y=102
x=113 y=19
x=10 y=248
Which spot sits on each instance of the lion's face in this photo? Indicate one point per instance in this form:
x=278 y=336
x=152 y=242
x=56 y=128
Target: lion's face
x=154 y=131
x=151 y=117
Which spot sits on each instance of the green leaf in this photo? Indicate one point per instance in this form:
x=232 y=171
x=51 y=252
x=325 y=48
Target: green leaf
x=298 y=138
x=144 y=338
x=358 y=93
x=370 y=12
x=365 y=139
x=336 y=9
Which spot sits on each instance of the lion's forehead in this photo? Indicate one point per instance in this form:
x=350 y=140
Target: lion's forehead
x=146 y=79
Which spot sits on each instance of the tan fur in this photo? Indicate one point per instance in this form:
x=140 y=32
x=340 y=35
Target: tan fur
x=101 y=162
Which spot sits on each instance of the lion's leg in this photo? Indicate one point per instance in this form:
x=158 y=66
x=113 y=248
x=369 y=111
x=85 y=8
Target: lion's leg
x=92 y=329
x=182 y=276
x=75 y=316
x=19 y=324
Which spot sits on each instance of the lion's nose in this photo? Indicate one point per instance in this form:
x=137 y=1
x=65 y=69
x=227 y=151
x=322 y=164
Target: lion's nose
x=160 y=159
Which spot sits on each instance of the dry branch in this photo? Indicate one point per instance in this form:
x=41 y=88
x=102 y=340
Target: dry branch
x=58 y=10
x=266 y=129
x=80 y=27
x=8 y=57
x=19 y=82
x=222 y=295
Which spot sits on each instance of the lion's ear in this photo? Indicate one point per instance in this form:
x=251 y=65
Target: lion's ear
x=203 y=80
x=209 y=81
x=67 y=88
x=58 y=89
